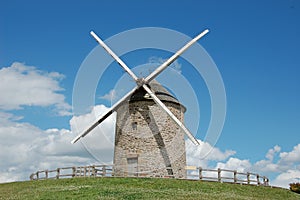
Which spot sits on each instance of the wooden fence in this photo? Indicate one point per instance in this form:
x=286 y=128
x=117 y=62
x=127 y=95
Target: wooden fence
x=71 y=172
x=225 y=175
x=195 y=173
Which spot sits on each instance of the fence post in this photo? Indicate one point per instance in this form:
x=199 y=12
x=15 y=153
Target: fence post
x=94 y=171
x=46 y=173
x=84 y=171
x=88 y=171
x=37 y=175
x=266 y=181
x=78 y=171
x=73 y=172
x=219 y=175
x=104 y=170
x=200 y=173
x=81 y=171
x=234 y=176
x=58 y=173
x=248 y=177
x=257 y=177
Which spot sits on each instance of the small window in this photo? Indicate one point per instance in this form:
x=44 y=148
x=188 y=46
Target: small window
x=134 y=125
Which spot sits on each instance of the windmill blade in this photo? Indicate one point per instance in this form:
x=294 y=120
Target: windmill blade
x=115 y=106
x=105 y=115
x=119 y=61
x=173 y=117
x=143 y=82
x=174 y=57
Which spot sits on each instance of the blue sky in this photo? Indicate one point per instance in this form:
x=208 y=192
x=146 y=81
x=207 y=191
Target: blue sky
x=254 y=44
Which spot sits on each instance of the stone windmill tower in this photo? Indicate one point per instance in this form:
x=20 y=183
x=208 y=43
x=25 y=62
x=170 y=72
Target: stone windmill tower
x=150 y=130
x=147 y=141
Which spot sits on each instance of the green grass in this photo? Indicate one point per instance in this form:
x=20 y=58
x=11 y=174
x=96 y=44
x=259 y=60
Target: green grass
x=137 y=188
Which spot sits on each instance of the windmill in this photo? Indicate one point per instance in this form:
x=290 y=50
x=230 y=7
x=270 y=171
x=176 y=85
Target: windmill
x=149 y=128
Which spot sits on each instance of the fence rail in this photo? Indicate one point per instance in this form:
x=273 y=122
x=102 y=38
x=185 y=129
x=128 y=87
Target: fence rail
x=71 y=172
x=193 y=172
x=225 y=175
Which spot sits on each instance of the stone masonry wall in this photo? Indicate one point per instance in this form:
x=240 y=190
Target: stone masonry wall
x=148 y=142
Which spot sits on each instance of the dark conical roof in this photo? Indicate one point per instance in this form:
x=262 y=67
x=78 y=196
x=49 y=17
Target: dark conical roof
x=162 y=93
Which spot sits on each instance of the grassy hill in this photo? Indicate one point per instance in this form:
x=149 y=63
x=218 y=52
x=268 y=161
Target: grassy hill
x=137 y=188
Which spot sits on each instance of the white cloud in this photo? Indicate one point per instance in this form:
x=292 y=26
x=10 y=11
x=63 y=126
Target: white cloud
x=100 y=141
x=23 y=85
x=291 y=157
x=285 y=160
x=175 y=65
x=26 y=148
x=272 y=152
x=9 y=176
x=111 y=96
x=285 y=178
x=236 y=164
x=266 y=166
x=286 y=168
x=200 y=155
